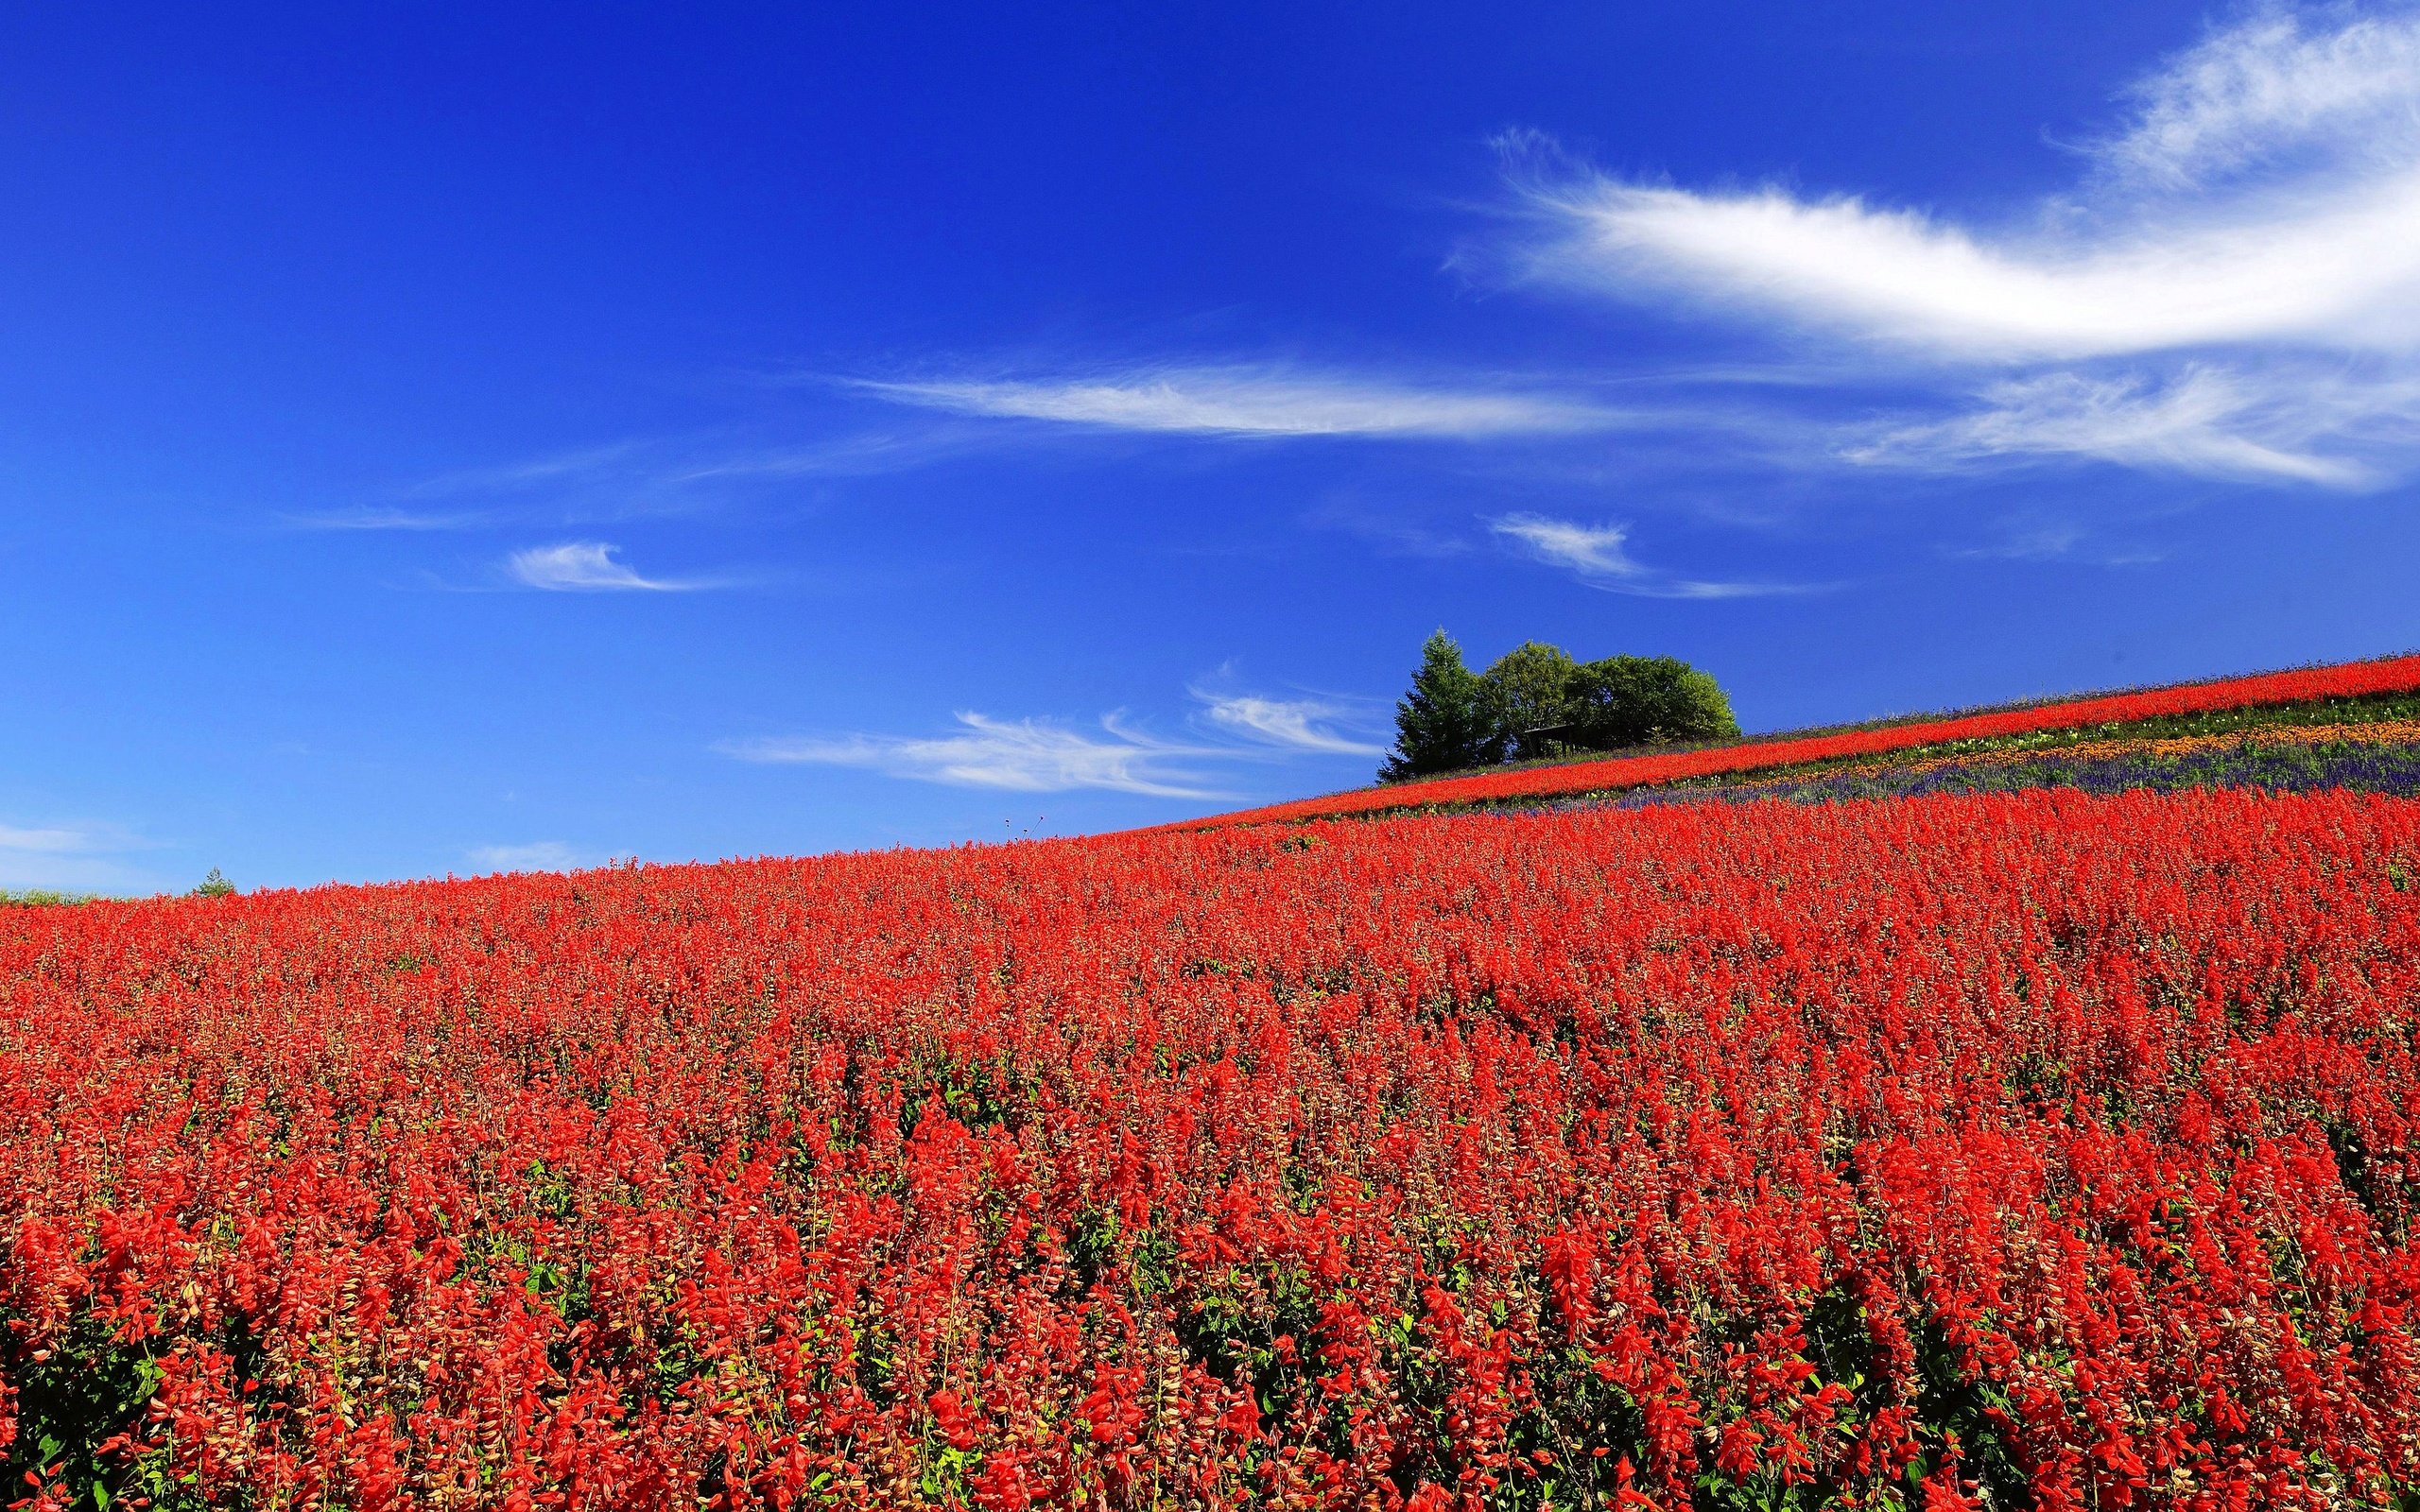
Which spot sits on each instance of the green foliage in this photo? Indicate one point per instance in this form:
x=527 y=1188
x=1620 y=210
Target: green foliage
x=38 y=898
x=1444 y=724
x=1639 y=700
x=214 y=886
x=73 y=1411
x=1528 y=693
x=1535 y=701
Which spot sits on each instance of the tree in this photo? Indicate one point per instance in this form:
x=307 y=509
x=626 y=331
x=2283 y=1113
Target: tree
x=1529 y=690
x=1442 y=725
x=1634 y=700
x=214 y=886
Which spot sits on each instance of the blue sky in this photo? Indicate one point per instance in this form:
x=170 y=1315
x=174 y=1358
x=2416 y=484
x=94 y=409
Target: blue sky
x=451 y=440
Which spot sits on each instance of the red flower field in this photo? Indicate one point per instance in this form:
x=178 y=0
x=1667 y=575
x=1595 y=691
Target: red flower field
x=2028 y=1150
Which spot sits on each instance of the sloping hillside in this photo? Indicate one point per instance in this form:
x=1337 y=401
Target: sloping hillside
x=2364 y=701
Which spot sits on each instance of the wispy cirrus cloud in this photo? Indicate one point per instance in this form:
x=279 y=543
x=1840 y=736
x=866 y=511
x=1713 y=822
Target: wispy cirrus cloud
x=51 y=840
x=1031 y=755
x=1315 y=724
x=2231 y=290
x=1015 y=755
x=1599 y=556
x=655 y=478
x=2195 y=418
x=587 y=566
x=617 y=460
x=1263 y=401
x=76 y=857
x=2251 y=91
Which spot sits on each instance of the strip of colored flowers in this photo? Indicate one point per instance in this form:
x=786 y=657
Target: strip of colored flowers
x=2373 y=735
x=2382 y=757
x=2170 y=747
x=2352 y=680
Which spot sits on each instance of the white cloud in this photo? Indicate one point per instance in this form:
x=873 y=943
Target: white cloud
x=1042 y=756
x=538 y=855
x=49 y=841
x=2234 y=101
x=1599 y=553
x=1294 y=724
x=585 y=566
x=1259 y=400
x=2200 y=419
x=2254 y=221
x=2342 y=273
x=1019 y=755
x=72 y=858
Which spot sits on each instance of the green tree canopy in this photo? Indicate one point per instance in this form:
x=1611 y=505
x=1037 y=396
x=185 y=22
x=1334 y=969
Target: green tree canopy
x=1444 y=724
x=1528 y=689
x=1638 y=700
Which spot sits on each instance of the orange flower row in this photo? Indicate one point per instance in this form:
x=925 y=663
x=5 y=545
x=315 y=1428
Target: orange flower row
x=2382 y=733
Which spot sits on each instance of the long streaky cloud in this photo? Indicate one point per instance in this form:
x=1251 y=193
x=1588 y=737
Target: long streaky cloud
x=1043 y=756
x=1292 y=724
x=49 y=841
x=74 y=858
x=1017 y=755
x=2344 y=273
x=2203 y=420
x=1244 y=400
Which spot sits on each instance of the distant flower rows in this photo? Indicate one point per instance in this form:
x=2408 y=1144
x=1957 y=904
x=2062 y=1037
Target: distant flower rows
x=2347 y=680
x=2375 y=757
